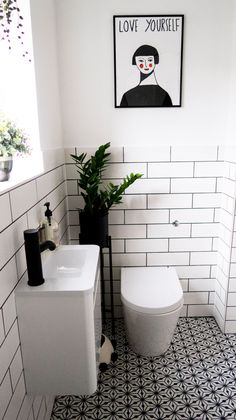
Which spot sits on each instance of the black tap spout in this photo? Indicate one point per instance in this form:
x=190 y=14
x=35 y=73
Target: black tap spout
x=33 y=250
x=47 y=245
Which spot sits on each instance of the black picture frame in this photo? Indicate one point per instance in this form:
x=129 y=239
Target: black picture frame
x=148 y=55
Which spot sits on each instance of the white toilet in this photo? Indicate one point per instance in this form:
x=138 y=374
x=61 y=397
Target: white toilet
x=152 y=298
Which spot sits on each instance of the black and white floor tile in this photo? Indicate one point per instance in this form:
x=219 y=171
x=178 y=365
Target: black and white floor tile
x=194 y=379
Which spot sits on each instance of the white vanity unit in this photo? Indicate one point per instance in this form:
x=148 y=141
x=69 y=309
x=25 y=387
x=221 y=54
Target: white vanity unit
x=60 y=323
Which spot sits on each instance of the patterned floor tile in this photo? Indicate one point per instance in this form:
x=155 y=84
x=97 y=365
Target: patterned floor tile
x=194 y=380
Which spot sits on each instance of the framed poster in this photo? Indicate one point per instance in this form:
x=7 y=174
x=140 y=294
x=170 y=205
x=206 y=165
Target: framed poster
x=148 y=54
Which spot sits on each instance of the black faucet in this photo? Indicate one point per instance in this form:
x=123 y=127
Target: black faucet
x=33 y=250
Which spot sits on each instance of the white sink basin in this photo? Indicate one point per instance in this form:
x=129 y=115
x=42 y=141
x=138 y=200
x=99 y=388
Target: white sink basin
x=70 y=268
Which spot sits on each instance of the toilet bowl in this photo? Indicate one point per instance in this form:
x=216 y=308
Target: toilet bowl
x=152 y=299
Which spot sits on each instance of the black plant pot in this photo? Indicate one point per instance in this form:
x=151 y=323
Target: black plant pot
x=93 y=229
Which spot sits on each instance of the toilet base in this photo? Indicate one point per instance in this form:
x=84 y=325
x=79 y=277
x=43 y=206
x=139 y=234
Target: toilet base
x=150 y=335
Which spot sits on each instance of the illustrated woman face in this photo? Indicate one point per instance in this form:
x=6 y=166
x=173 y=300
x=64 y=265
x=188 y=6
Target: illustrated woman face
x=145 y=63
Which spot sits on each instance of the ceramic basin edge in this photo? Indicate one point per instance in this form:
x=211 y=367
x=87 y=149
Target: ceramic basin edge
x=67 y=269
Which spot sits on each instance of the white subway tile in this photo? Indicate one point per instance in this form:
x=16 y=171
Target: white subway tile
x=120 y=170
x=200 y=310
x=37 y=404
x=118 y=245
x=211 y=298
x=227 y=203
x=125 y=260
x=193 y=185
x=5 y=218
x=9 y=312
x=21 y=262
x=232 y=284
x=16 y=401
x=209 y=169
x=8 y=280
x=206 y=200
x=196 y=285
x=218 y=318
x=201 y=230
x=150 y=186
x=226 y=219
x=203 y=258
x=168 y=231
x=72 y=187
x=116 y=217
x=192 y=215
x=170 y=170
x=226 y=186
x=183 y=311
x=8 y=350
x=17 y=231
x=217 y=215
x=146 y=245
x=56 y=196
x=184 y=284
x=42 y=411
x=5 y=394
x=193 y=153
x=71 y=172
x=168 y=258
x=233 y=270
x=233 y=255
x=2 y=335
x=127 y=231
x=197 y=298
x=16 y=368
x=75 y=202
x=231 y=313
x=230 y=327
x=190 y=244
x=26 y=412
x=220 y=306
x=23 y=198
x=132 y=202
x=192 y=272
x=170 y=201
x=73 y=217
x=146 y=216
x=47 y=182
x=147 y=154
x=231 y=299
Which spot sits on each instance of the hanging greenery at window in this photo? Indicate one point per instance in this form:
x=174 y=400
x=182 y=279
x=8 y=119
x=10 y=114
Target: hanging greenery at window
x=11 y=20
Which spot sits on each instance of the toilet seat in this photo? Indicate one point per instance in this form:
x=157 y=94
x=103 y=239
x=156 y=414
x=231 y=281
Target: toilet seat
x=151 y=290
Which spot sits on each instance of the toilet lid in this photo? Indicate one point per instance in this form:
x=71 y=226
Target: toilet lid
x=153 y=290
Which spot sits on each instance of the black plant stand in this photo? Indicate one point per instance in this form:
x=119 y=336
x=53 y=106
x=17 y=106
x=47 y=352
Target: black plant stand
x=104 y=309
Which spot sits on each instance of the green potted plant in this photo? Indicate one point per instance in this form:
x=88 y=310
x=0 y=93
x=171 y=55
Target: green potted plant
x=13 y=141
x=98 y=198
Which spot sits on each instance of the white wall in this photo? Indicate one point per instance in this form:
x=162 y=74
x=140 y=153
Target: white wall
x=46 y=73
x=85 y=37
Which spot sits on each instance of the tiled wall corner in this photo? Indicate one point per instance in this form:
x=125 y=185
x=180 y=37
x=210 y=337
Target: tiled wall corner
x=22 y=208
x=225 y=302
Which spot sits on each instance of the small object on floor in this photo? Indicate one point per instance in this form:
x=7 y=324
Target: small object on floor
x=107 y=353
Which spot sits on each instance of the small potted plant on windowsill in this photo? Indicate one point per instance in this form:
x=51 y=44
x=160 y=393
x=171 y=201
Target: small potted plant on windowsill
x=98 y=198
x=13 y=141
